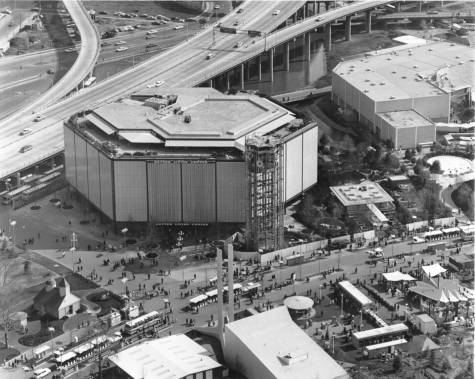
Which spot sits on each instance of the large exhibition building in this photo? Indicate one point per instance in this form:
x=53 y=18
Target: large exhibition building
x=172 y=155
x=401 y=93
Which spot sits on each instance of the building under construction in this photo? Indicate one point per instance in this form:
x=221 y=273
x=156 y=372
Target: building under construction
x=264 y=169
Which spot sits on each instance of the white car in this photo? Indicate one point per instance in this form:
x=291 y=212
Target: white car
x=418 y=240
x=42 y=372
x=156 y=84
x=70 y=50
x=121 y=49
x=276 y=12
x=118 y=43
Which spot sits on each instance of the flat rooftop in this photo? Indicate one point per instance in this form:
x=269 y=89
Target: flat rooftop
x=428 y=70
x=172 y=357
x=197 y=114
x=366 y=192
x=405 y=119
x=283 y=348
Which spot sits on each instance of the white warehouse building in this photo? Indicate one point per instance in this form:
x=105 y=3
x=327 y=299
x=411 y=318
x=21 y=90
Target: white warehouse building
x=401 y=93
x=176 y=155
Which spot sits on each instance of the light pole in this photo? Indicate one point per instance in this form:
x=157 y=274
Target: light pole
x=124 y=233
x=320 y=292
x=74 y=240
x=341 y=306
x=12 y=224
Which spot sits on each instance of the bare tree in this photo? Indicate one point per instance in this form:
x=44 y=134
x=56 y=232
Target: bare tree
x=6 y=296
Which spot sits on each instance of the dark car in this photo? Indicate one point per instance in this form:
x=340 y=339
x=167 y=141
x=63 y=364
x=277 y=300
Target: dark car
x=150 y=45
x=50 y=71
x=26 y=148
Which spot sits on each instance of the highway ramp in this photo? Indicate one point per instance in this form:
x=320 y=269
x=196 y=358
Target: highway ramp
x=84 y=64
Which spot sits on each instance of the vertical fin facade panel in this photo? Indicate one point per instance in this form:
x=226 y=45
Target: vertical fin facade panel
x=199 y=192
x=164 y=191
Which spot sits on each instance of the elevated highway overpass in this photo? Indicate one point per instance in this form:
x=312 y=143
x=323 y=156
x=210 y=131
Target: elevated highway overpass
x=184 y=65
x=82 y=67
x=435 y=15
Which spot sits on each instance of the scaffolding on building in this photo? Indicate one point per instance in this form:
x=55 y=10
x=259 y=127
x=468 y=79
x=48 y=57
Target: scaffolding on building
x=264 y=172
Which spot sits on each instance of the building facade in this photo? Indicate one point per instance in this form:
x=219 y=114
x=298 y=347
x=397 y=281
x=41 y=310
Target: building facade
x=425 y=82
x=183 y=162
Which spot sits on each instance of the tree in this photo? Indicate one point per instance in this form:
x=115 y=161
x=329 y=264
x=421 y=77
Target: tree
x=397 y=363
x=324 y=140
x=418 y=167
x=27 y=267
x=203 y=21
x=435 y=167
x=418 y=148
x=407 y=154
x=7 y=294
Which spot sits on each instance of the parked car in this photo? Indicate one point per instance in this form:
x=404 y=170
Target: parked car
x=123 y=48
x=118 y=43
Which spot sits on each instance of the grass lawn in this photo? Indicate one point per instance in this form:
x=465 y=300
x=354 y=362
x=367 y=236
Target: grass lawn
x=6 y=354
x=44 y=334
x=105 y=301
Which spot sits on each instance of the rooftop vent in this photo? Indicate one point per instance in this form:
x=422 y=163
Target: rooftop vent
x=368 y=69
x=394 y=72
x=388 y=58
x=392 y=97
x=365 y=91
x=415 y=66
x=293 y=357
x=187 y=118
x=366 y=80
x=457 y=57
x=382 y=84
x=403 y=77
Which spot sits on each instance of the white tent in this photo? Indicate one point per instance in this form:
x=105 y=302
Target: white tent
x=433 y=270
x=397 y=276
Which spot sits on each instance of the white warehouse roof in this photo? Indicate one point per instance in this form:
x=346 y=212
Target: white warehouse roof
x=282 y=347
x=172 y=357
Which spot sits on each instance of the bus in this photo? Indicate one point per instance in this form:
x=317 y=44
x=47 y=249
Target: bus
x=89 y=82
x=143 y=323
x=54 y=169
x=49 y=177
x=433 y=235
x=12 y=195
x=378 y=335
x=27 y=193
x=84 y=351
x=66 y=359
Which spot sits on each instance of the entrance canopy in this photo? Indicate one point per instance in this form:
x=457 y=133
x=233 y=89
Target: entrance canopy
x=355 y=293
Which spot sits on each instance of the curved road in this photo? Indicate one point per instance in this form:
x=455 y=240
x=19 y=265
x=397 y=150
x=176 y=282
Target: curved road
x=85 y=62
x=184 y=65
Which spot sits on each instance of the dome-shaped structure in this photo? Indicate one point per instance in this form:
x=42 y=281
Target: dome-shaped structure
x=298 y=306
